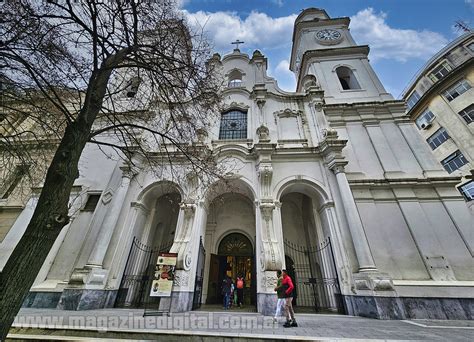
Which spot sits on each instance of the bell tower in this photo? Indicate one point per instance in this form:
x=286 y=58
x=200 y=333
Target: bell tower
x=324 y=47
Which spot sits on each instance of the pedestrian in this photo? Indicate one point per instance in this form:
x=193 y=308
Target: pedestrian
x=226 y=291
x=240 y=284
x=280 y=290
x=232 y=293
x=287 y=283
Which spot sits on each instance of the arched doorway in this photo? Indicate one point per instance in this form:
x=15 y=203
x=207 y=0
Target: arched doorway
x=308 y=254
x=155 y=236
x=235 y=257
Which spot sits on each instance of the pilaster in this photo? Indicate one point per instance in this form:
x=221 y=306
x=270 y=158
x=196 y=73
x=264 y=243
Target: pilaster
x=368 y=280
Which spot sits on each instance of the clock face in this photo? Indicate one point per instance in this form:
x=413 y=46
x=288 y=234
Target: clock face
x=328 y=35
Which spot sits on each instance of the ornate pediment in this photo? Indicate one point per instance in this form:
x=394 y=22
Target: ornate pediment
x=287 y=113
x=235 y=106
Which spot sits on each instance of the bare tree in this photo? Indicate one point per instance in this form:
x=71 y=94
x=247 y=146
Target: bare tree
x=127 y=75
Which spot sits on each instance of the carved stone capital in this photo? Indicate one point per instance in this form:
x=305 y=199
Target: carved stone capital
x=338 y=168
x=128 y=171
x=201 y=135
x=267 y=210
x=263 y=133
x=265 y=173
x=265 y=170
x=329 y=133
x=318 y=105
x=309 y=82
x=187 y=208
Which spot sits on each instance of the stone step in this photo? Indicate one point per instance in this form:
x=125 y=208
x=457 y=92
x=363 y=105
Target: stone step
x=26 y=334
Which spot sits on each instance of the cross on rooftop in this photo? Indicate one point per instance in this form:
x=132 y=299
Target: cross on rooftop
x=236 y=43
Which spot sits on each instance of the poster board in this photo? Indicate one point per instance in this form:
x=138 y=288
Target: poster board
x=161 y=285
x=163 y=276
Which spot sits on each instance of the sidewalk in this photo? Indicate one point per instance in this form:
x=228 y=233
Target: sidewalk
x=209 y=326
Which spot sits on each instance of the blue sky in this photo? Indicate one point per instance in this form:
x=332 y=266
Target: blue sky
x=402 y=34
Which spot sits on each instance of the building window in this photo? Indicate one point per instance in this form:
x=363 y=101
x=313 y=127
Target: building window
x=467 y=190
x=471 y=47
x=13 y=181
x=235 y=79
x=92 y=201
x=468 y=114
x=413 y=99
x=233 y=125
x=454 y=161
x=424 y=119
x=132 y=86
x=440 y=71
x=438 y=138
x=347 y=78
x=456 y=90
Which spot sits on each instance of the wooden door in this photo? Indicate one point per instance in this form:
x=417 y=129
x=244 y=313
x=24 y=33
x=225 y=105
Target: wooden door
x=213 y=284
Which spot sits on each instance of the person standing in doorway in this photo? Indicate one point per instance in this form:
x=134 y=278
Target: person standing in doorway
x=226 y=291
x=280 y=290
x=240 y=284
x=287 y=283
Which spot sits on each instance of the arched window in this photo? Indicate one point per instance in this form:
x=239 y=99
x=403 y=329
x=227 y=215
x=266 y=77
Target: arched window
x=235 y=79
x=132 y=86
x=347 y=78
x=233 y=125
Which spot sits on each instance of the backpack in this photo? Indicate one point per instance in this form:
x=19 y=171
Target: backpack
x=240 y=283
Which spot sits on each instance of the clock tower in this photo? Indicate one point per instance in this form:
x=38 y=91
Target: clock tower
x=323 y=47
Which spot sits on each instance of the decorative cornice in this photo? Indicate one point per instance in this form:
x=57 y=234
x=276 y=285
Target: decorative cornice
x=287 y=113
x=234 y=105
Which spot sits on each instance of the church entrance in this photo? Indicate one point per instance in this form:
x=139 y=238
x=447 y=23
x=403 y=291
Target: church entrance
x=235 y=257
x=309 y=257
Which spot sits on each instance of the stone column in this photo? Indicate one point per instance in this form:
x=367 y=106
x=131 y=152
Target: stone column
x=278 y=227
x=341 y=260
x=187 y=229
x=17 y=230
x=361 y=245
x=96 y=258
x=270 y=255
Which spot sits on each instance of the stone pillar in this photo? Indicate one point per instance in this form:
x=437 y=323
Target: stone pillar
x=192 y=217
x=96 y=258
x=337 y=243
x=361 y=245
x=278 y=226
x=17 y=230
x=270 y=256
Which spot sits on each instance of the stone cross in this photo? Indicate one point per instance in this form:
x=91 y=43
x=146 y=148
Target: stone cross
x=237 y=42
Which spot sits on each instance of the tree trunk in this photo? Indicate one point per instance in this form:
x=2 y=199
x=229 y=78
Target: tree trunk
x=50 y=216
x=51 y=212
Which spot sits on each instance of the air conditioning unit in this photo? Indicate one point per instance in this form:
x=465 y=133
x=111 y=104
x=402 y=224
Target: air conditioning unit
x=425 y=125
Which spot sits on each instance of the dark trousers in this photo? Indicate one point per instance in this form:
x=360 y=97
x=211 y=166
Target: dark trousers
x=240 y=296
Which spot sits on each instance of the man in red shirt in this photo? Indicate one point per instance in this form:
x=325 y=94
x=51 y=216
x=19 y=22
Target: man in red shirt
x=287 y=283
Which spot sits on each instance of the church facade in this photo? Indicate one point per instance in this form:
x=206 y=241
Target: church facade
x=332 y=182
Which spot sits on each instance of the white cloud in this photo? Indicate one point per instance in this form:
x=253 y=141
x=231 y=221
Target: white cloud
x=286 y=78
x=470 y=3
x=279 y=3
x=368 y=27
x=283 y=66
x=257 y=30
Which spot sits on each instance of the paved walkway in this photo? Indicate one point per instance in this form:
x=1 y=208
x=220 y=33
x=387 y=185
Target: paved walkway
x=130 y=324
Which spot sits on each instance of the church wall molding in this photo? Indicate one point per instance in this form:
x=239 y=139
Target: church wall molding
x=319 y=191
